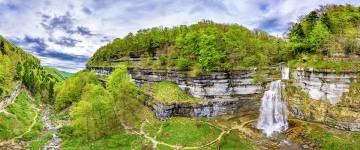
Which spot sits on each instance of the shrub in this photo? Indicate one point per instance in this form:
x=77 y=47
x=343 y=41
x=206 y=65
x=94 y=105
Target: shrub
x=183 y=64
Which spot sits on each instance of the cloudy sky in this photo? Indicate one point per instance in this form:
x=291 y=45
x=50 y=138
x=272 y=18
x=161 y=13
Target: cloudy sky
x=65 y=33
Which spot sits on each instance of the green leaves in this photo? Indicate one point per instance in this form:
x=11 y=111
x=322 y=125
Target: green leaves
x=327 y=32
x=206 y=46
x=71 y=90
x=318 y=36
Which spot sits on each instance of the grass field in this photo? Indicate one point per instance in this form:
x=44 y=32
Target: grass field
x=183 y=131
x=234 y=140
x=114 y=141
x=167 y=91
x=20 y=120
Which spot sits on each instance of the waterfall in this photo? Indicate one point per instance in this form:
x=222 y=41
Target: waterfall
x=273 y=110
x=285 y=73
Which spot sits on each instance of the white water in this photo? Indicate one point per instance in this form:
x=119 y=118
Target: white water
x=54 y=142
x=285 y=73
x=273 y=110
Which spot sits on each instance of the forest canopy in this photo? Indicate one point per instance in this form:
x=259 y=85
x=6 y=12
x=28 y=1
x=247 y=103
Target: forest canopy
x=206 y=46
x=330 y=31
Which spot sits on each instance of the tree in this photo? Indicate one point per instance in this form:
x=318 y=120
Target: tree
x=91 y=115
x=210 y=55
x=309 y=22
x=126 y=99
x=318 y=37
x=326 y=20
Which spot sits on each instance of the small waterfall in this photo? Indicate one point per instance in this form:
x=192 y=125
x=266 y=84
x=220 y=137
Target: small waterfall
x=273 y=110
x=285 y=73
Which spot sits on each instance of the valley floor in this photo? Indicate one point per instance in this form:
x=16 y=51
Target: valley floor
x=27 y=124
x=24 y=123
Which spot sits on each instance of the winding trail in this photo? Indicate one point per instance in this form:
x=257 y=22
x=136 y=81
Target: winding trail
x=11 y=100
x=156 y=142
x=30 y=127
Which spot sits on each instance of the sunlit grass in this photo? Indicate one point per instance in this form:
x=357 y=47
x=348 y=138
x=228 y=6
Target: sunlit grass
x=166 y=91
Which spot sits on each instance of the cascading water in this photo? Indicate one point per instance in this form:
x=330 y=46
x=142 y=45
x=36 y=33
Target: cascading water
x=285 y=73
x=273 y=110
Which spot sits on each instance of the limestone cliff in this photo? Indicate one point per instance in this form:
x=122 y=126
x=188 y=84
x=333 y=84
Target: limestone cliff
x=317 y=96
x=311 y=95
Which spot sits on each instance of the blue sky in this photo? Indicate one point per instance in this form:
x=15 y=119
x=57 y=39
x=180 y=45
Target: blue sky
x=65 y=33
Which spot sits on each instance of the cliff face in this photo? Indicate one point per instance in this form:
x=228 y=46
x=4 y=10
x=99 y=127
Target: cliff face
x=225 y=93
x=311 y=95
x=317 y=96
x=212 y=86
x=325 y=85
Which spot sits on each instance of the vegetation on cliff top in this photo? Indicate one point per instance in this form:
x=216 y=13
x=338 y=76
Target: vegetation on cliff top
x=167 y=91
x=206 y=46
x=327 y=35
x=328 y=38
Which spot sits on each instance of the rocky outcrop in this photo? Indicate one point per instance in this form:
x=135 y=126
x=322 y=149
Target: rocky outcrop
x=199 y=109
x=9 y=99
x=324 y=85
x=315 y=96
x=217 y=85
x=225 y=93
x=103 y=71
x=311 y=95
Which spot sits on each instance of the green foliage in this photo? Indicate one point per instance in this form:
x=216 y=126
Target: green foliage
x=57 y=74
x=113 y=142
x=17 y=65
x=183 y=64
x=97 y=108
x=127 y=100
x=35 y=130
x=71 y=89
x=91 y=114
x=183 y=131
x=18 y=123
x=318 y=36
x=38 y=143
x=316 y=62
x=327 y=31
x=233 y=140
x=207 y=45
x=167 y=91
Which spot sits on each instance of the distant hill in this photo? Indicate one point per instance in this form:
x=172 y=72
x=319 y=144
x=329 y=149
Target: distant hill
x=18 y=66
x=61 y=75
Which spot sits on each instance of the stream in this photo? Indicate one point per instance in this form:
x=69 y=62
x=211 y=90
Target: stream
x=55 y=141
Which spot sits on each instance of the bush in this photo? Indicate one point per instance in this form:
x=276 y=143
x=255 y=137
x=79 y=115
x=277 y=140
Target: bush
x=351 y=46
x=183 y=64
x=163 y=59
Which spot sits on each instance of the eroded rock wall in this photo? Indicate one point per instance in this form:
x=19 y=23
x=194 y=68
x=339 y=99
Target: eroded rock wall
x=317 y=96
x=225 y=93
x=324 y=85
